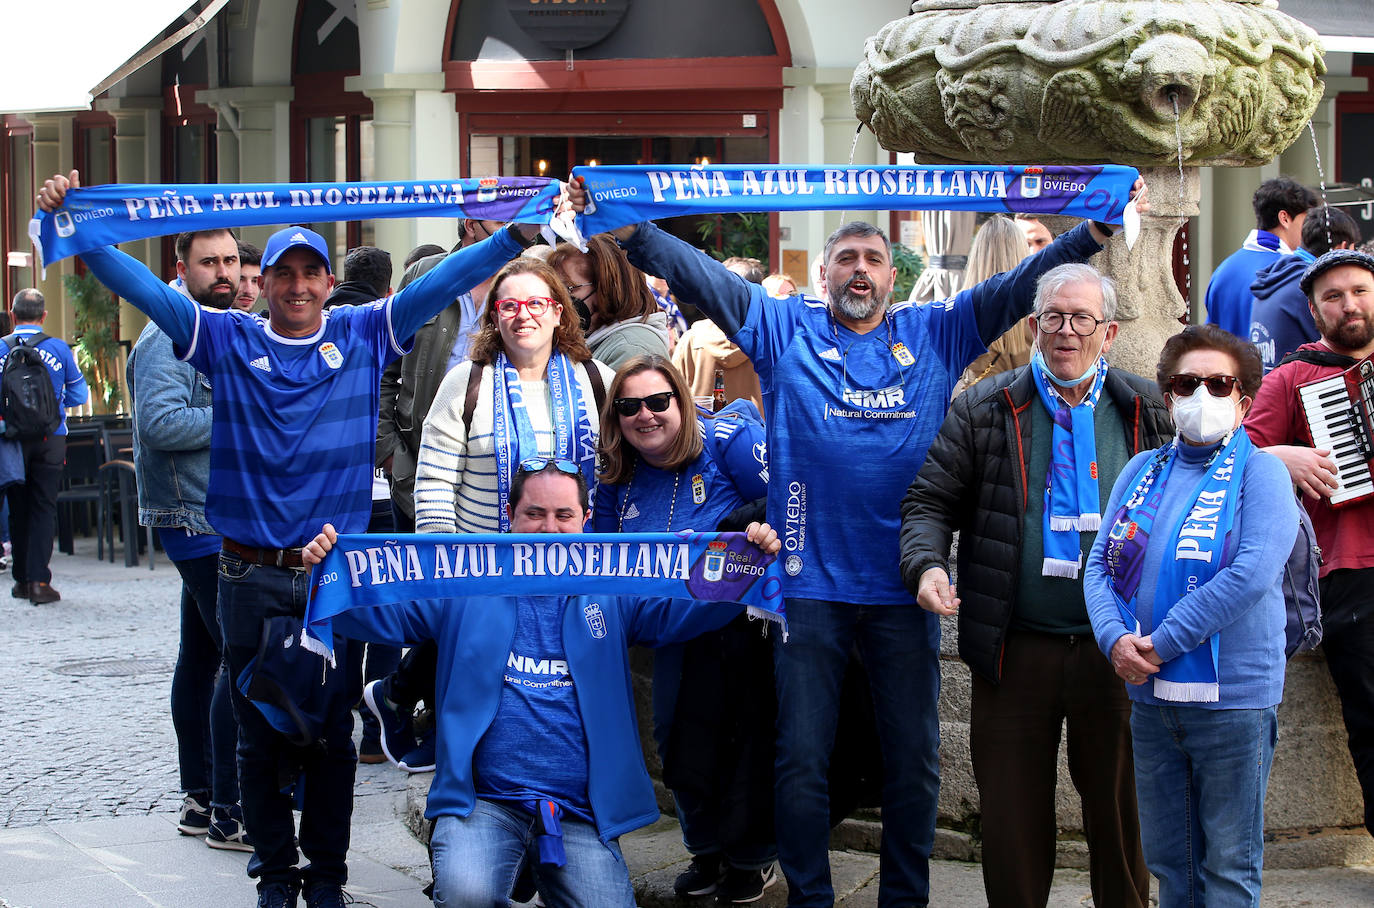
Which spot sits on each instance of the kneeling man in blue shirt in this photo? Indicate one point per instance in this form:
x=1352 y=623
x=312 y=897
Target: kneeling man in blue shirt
x=538 y=748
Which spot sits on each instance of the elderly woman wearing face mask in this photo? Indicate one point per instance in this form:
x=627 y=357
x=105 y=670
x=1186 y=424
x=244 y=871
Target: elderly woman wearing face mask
x=1183 y=590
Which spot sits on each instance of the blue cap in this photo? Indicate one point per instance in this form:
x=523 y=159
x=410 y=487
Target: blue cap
x=291 y=237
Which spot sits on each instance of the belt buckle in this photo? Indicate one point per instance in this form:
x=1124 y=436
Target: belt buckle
x=281 y=555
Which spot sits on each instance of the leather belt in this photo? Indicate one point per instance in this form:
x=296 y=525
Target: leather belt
x=289 y=558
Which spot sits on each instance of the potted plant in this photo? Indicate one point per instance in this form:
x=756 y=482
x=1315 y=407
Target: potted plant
x=97 y=339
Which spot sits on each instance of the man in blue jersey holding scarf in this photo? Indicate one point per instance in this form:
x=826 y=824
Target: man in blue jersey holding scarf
x=855 y=389
x=291 y=448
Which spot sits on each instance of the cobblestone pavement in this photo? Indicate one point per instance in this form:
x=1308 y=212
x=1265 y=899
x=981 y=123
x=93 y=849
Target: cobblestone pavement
x=85 y=721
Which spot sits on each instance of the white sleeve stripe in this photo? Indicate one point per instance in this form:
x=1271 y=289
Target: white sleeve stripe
x=195 y=338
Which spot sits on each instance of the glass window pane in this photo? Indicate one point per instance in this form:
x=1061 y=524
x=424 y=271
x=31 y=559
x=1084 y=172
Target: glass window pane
x=20 y=258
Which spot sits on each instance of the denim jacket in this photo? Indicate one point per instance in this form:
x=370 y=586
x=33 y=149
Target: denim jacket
x=171 y=434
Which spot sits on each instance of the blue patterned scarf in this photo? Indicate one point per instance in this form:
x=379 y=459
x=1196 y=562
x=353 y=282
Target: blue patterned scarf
x=1199 y=545
x=1071 y=495
x=514 y=438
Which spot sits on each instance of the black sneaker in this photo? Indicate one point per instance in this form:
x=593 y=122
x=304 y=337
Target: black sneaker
x=276 y=895
x=397 y=739
x=700 y=878
x=740 y=887
x=326 y=895
x=195 y=816
x=226 y=830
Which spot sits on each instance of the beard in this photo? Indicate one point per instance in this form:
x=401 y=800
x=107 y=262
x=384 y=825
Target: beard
x=217 y=296
x=1349 y=335
x=853 y=307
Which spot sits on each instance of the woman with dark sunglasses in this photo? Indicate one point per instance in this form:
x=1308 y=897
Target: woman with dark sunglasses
x=668 y=466
x=622 y=318
x=529 y=389
x=1183 y=588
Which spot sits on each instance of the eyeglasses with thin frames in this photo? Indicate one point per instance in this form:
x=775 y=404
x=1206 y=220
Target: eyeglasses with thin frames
x=1082 y=323
x=536 y=306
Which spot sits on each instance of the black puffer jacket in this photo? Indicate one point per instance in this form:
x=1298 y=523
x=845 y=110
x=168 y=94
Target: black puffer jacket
x=974 y=480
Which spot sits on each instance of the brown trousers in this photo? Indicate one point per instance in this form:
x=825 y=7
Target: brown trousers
x=1014 y=735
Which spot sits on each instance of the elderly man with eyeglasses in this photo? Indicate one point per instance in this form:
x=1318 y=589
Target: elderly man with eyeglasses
x=1021 y=468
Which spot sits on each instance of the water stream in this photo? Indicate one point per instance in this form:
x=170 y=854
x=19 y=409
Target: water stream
x=1182 y=206
x=1321 y=180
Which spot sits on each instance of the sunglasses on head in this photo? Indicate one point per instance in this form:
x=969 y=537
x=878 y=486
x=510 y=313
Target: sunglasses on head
x=657 y=403
x=540 y=464
x=1184 y=385
x=535 y=306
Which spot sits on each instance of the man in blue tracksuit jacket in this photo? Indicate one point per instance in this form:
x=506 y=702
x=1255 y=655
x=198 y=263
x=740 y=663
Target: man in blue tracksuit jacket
x=855 y=389
x=538 y=753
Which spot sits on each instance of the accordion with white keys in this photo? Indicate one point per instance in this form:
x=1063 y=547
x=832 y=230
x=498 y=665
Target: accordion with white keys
x=1339 y=410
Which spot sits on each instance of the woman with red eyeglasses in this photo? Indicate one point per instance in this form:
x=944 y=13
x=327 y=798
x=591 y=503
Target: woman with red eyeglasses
x=669 y=466
x=529 y=389
x=1183 y=588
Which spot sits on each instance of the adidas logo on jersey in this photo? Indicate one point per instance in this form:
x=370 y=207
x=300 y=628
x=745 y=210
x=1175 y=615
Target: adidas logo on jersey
x=832 y=354
x=631 y=512
x=261 y=363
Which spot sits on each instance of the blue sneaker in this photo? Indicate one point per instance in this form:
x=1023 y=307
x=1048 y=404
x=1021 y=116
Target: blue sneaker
x=276 y=895
x=194 y=818
x=397 y=738
x=226 y=830
x=421 y=756
x=326 y=895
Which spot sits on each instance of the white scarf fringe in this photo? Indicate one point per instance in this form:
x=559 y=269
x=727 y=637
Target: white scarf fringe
x=1187 y=691
x=1059 y=567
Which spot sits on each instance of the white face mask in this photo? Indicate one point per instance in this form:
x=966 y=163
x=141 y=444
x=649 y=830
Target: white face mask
x=1203 y=418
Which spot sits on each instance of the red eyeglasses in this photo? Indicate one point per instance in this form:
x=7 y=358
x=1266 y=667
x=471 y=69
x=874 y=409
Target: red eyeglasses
x=536 y=306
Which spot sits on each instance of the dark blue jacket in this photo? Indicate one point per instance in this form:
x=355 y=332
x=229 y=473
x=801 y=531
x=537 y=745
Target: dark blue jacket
x=1280 y=319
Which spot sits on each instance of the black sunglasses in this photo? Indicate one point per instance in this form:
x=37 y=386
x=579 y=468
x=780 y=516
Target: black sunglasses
x=1184 y=385
x=657 y=403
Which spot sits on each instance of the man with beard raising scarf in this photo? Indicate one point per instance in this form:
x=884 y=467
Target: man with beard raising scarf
x=172 y=464
x=1340 y=292
x=855 y=389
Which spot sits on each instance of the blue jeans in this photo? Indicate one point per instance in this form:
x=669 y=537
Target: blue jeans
x=478 y=857
x=1201 y=776
x=900 y=646
x=201 y=713
x=249 y=594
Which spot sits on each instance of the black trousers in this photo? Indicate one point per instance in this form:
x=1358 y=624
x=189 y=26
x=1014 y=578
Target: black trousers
x=1348 y=642
x=1014 y=732
x=33 y=508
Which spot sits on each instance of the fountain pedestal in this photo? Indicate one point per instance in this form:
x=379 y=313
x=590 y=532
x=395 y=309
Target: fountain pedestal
x=1153 y=85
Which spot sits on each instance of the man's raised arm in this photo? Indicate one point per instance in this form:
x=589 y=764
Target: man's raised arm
x=129 y=278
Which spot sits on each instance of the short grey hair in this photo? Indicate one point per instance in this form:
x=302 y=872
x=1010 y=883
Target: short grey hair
x=1061 y=276
x=859 y=229
x=28 y=306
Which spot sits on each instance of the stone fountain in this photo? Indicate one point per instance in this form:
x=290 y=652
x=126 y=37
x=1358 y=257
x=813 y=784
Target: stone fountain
x=1151 y=83
x=1167 y=86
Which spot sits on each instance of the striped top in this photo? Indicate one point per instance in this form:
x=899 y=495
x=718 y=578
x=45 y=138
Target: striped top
x=455 y=479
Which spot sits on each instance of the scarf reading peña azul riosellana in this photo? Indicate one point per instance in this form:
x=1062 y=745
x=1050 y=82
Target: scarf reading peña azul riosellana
x=118 y=212
x=1071 y=494
x=367 y=570
x=628 y=195
x=574 y=430
x=1197 y=547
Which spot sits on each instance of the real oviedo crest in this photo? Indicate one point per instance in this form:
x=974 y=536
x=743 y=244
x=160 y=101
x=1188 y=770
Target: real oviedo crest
x=596 y=620
x=1030 y=182
x=714 y=568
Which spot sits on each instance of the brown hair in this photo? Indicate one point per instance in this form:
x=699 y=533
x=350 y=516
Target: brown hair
x=621 y=291
x=567 y=337
x=617 y=454
x=1249 y=368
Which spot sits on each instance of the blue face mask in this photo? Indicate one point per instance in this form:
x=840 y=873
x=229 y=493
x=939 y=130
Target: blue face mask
x=1088 y=373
